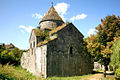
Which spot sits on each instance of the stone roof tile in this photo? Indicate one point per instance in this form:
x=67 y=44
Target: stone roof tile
x=51 y=15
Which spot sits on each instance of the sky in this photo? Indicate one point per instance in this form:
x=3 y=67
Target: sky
x=19 y=17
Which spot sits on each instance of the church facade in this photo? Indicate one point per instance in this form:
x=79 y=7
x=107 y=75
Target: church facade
x=60 y=52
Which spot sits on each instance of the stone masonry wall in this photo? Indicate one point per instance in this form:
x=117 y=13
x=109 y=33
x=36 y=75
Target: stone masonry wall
x=40 y=61
x=35 y=62
x=28 y=61
x=50 y=24
x=66 y=55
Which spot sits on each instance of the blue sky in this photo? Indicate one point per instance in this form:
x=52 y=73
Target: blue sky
x=18 y=17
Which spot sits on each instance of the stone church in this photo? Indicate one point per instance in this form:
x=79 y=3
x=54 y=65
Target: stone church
x=61 y=53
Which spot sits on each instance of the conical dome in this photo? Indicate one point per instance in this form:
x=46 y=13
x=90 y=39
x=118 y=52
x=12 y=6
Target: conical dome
x=51 y=15
x=51 y=19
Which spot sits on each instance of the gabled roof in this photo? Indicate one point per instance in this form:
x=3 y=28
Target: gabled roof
x=54 y=31
x=51 y=15
x=8 y=46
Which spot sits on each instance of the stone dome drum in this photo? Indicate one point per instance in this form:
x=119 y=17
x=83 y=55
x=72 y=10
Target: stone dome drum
x=51 y=19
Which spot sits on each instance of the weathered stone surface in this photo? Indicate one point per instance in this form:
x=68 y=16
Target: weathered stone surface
x=60 y=62
x=64 y=55
x=52 y=24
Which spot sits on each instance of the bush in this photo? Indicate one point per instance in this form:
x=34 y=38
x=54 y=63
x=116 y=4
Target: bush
x=11 y=56
x=5 y=77
x=115 y=57
x=117 y=73
x=10 y=72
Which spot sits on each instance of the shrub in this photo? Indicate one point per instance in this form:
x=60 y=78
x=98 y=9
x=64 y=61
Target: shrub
x=5 y=77
x=117 y=73
x=115 y=57
x=10 y=72
x=11 y=56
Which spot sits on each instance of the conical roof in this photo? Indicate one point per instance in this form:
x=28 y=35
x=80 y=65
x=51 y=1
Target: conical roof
x=51 y=15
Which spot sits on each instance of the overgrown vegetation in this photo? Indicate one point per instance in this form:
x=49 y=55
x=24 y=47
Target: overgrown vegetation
x=44 y=34
x=10 y=72
x=10 y=56
x=57 y=29
x=115 y=57
x=117 y=73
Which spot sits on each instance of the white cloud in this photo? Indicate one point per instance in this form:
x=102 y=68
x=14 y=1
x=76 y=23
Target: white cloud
x=61 y=8
x=22 y=31
x=37 y=16
x=91 y=31
x=78 y=17
x=28 y=29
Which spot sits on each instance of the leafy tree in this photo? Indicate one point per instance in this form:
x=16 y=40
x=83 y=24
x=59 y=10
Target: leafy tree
x=11 y=56
x=115 y=57
x=93 y=47
x=106 y=32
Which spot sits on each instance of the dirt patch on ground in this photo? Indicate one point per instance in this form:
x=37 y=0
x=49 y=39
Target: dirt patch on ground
x=96 y=77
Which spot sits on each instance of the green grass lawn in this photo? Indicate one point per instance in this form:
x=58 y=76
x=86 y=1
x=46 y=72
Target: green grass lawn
x=9 y=72
x=84 y=77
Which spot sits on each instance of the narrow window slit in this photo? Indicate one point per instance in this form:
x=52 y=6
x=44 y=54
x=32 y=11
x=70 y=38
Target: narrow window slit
x=71 y=50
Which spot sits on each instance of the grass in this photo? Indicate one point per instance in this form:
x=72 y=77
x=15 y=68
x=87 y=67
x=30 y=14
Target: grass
x=10 y=72
x=84 y=77
x=57 y=29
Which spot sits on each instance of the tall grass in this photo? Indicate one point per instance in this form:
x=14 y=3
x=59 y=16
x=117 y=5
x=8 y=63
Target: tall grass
x=10 y=72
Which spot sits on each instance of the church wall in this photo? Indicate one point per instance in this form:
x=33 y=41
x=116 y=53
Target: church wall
x=41 y=60
x=25 y=60
x=28 y=58
x=28 y=61
x=66 y=55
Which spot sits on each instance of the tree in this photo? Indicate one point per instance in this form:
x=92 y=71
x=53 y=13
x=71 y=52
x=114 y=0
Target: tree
x=106 y=32
x=11 y=56
x=115 y=57
x=93 y=47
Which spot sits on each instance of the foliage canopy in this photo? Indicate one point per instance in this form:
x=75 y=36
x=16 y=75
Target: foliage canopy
x=99 y=45
x=115 y=57
x=10 y=56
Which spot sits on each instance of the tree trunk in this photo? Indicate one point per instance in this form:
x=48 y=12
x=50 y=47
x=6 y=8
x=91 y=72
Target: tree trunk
x=105 y=68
